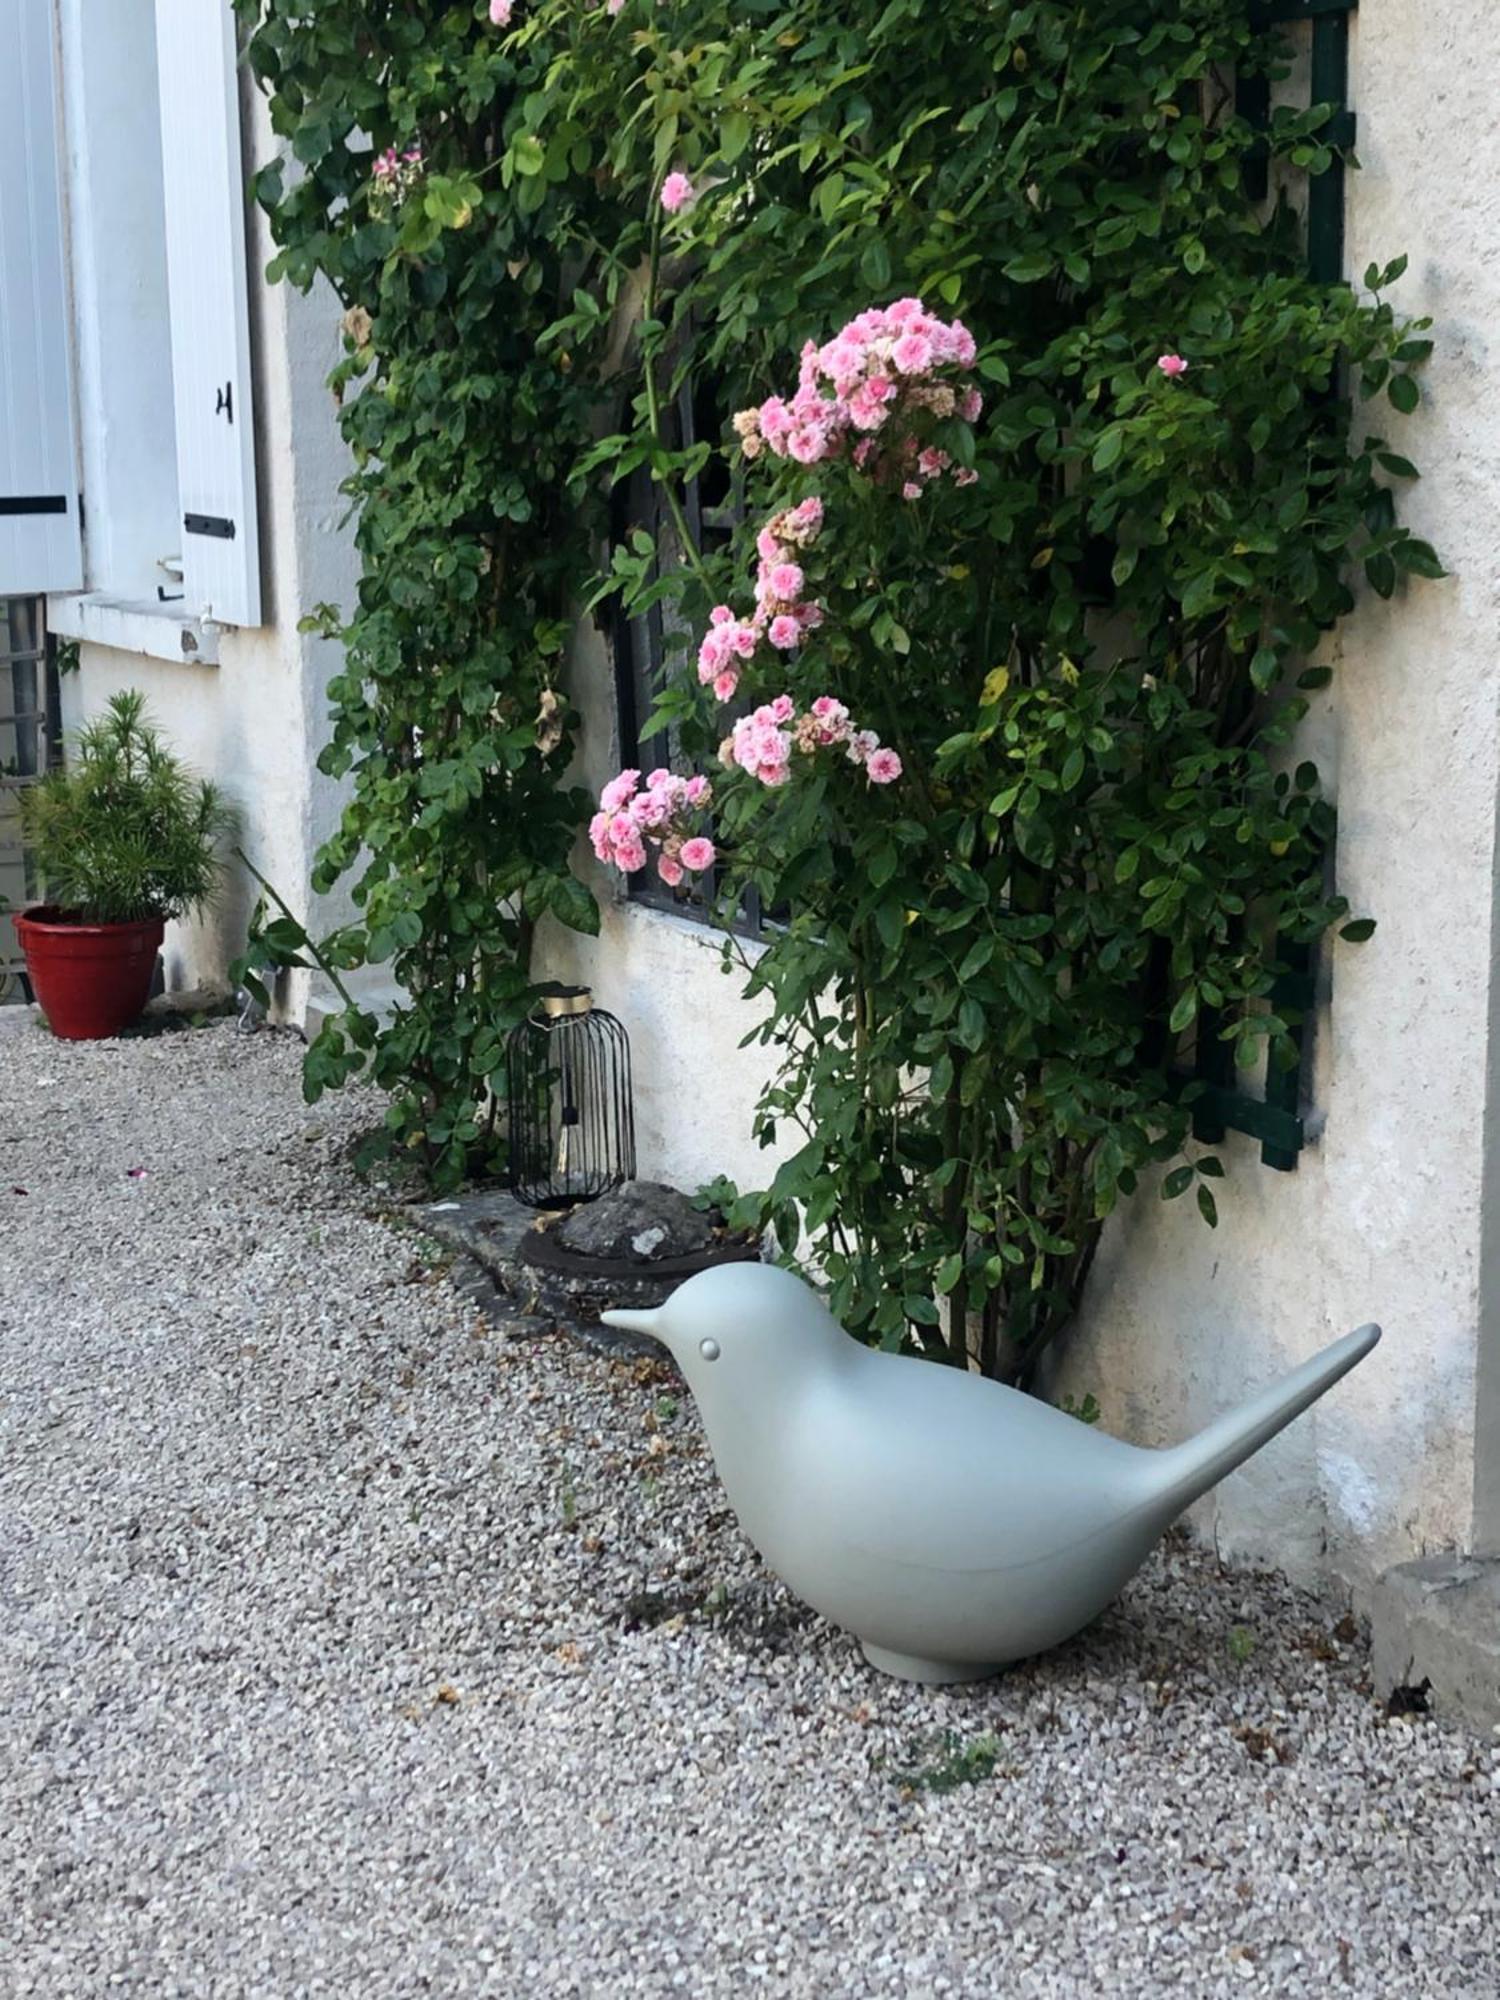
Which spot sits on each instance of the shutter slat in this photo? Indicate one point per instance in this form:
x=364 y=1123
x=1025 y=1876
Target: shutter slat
x=40 y=539
x=208 y=285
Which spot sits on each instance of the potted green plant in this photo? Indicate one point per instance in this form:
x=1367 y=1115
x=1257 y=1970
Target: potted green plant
x=123 y=836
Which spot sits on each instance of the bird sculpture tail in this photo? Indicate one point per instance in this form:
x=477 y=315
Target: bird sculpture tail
x=1190 y=1469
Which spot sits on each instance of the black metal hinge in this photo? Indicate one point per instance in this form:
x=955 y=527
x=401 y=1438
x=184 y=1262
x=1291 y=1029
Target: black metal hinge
x=34 y=503
x=209 y=524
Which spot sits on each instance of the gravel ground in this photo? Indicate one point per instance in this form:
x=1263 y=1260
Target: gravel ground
x=350 y=1647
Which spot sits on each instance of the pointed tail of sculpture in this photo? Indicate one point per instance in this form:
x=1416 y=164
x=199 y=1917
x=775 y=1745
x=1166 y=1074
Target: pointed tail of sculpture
x=1190 y=1469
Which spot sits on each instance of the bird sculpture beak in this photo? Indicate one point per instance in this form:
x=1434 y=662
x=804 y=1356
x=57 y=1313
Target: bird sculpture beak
x=635 y=1322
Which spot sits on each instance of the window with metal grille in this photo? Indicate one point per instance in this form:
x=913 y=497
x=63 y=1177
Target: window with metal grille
x=649 y=648
x=29 y=731
x=657 y=646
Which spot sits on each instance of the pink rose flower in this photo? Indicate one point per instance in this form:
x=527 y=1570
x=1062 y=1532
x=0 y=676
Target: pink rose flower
x=1171 y=365
x=697 y=854
x=618 y=790
x=912 y=353
x=785 y=632
x=911 y=490
x=785 y=581
x=883 y=767
x=725 y=684
x=676 y=193
x=651 y=810
x=500 y=13
x=669 y=870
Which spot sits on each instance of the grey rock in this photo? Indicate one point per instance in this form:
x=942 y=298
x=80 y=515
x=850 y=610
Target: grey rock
x=642 y=1222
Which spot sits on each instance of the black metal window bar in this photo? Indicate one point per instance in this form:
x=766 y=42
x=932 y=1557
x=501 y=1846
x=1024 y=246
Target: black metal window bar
x=29 y=733
x=1276 y=1119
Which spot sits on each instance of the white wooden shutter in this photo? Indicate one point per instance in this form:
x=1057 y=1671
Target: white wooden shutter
x=208 y=285
x=40 y=538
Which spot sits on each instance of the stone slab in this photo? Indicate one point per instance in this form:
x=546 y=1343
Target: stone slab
x=1438 y=1620
x=488 y=1226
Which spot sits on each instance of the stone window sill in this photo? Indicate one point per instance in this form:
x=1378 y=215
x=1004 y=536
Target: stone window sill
x=128 y=625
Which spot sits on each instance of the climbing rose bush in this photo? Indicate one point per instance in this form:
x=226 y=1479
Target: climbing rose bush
x=1068 y=621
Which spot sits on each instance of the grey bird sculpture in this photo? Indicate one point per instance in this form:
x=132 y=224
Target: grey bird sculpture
x=951 y=1524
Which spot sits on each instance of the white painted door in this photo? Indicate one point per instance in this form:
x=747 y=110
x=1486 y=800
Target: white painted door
x=40 y=535
x=208 y=282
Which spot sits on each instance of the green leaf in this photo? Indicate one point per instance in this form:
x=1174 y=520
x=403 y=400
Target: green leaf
x=970 y=1033
x=976 y=958
x=571 y=903
x=1208 y=1208
x=528 y=153
x=882 y=865
x=1419 y=558
x=1199 y=594
x=1357 y=931
x=734 y=135
x=1404 y=393
x=1185 y=1012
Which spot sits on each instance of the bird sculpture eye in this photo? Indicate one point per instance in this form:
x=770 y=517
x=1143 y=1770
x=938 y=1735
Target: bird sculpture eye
x=709 y=1349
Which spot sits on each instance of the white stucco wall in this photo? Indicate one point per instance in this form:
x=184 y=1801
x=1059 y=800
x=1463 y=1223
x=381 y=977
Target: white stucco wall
x=254 y=721
x=1382 y=1218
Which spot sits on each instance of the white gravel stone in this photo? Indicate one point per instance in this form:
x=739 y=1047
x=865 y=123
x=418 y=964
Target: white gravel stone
x=348 y=1647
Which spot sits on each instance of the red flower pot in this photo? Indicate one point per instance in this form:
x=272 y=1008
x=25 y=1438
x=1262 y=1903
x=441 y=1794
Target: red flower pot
x=90 y=980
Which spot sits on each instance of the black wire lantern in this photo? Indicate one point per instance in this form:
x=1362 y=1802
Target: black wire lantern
x=568 y=1094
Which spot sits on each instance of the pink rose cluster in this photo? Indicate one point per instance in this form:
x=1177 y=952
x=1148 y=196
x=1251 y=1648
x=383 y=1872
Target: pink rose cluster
x=763 y=743
x=659 y=814
x=783 y=612
x=859 y=394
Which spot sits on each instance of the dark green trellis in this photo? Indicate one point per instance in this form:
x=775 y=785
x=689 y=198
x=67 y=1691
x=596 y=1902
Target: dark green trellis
x=1276 y=1120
